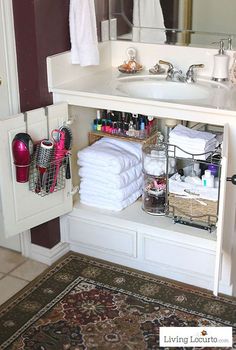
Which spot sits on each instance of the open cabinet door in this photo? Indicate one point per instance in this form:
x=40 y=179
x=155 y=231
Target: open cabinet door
x=220 y=224
x=20 y=208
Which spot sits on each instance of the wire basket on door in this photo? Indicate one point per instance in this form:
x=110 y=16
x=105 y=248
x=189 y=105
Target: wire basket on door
x=44 y=181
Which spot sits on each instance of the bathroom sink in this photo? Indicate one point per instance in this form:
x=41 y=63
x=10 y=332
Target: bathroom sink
x=161 y=89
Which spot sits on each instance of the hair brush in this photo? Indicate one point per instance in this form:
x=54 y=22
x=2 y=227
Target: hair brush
x=68 y=145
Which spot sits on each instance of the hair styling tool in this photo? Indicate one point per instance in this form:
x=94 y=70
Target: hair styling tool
x=68 y=146
x=58 y=137
x=22 y=150
x=44 y=155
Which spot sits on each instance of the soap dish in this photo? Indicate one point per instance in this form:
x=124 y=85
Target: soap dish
x=157 y=69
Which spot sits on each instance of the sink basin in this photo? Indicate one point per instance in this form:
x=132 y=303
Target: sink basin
x=153 y=88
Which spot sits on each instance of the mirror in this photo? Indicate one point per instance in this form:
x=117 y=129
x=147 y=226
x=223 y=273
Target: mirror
x=179 y=22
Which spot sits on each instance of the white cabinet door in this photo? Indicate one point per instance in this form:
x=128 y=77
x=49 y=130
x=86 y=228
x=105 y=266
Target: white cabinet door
x=20 y=208
x=220 y=223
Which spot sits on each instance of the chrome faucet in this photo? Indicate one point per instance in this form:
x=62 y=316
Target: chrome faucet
x=190 y=76
x=174 y=74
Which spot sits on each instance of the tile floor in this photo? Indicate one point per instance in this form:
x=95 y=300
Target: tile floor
x=16 y=272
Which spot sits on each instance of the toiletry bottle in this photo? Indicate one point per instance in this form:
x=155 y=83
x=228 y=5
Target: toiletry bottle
x=98 y=114
x=221 y=64
x=196 y=169
x=214 y=169
x=208 y=179
x=142 y=133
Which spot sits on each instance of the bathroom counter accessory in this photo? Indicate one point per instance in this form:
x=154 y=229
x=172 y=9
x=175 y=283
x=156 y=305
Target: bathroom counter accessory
x=131 y=66
x=221 y=64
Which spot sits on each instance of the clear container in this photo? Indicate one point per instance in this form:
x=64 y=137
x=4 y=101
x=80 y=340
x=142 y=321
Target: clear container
x=154 y=188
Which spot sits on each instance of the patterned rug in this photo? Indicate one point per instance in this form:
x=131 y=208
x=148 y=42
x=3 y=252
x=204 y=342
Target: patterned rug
x=84 y=303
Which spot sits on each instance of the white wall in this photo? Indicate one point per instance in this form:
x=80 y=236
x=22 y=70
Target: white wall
x=215 y=16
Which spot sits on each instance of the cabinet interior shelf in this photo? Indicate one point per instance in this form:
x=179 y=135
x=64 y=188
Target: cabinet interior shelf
x=134 y=216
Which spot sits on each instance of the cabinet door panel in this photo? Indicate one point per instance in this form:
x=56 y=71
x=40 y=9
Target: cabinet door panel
x=220 y=224
x=21 y=208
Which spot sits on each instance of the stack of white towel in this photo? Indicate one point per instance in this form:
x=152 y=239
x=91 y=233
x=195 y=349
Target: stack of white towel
x=111 y=174
x=199 y=143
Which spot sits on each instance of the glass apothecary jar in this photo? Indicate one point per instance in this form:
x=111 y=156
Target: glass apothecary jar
x=154 y=160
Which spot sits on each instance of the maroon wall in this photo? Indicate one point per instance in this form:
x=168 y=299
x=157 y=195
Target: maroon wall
x=41 y=29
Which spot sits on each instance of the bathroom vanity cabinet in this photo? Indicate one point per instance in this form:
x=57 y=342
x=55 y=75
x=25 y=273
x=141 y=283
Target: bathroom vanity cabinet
x=130 y=237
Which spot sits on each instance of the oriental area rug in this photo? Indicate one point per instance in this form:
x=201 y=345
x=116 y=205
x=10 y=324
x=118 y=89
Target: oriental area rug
x=84 y=303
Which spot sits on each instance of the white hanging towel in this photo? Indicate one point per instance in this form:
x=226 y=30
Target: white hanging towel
x=83 y=33
x=147 y=19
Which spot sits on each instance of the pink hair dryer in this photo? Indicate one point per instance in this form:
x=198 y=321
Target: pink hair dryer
x=22 y=150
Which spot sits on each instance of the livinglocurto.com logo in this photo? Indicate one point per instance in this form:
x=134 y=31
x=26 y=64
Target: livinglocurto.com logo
x=196 y=336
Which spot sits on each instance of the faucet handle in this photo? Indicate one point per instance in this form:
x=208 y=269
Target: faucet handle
x=170 y=65
x=199 y=65
x=190 y=72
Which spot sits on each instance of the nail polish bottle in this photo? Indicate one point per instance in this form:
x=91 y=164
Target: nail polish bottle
x=104 y=114
x=94 y=126
x=109 y=126
x=131 y=130
x=126 y=129
x=98 y=114
x=136 y=127
x=142 y=133
x=114 y=131
x=99 y=125
x=119 y=128
x=150 y=125
x=103 y=129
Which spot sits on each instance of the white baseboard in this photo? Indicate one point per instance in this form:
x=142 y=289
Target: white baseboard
x=48 y=256
x=42 y=254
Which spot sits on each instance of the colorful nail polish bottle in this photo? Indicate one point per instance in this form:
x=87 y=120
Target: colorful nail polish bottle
x=95 y=122
x=99 y=125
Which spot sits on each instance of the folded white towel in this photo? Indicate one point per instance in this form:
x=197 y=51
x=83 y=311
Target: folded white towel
x=109 y=180
x=183 y=134
x=98 y=189
x=102 y=203
x=202 y=192
x=194 y=146
x=112 y=155
x=83 y=33
x=188 y=152
x=132 y=147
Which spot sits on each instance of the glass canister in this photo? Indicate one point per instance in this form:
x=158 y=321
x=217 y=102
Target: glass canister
x=155 y=179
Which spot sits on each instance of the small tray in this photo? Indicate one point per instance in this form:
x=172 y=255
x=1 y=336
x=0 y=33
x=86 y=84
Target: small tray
x=122 y=69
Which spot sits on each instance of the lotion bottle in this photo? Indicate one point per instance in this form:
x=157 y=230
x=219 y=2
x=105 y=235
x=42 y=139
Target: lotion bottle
x=221 y=64
x=208 y=179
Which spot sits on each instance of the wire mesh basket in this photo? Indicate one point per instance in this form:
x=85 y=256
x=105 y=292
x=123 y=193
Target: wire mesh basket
x=44 y=181
x=199 y=210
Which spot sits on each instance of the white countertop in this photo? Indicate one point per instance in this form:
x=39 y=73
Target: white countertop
x=98 y=87
x=105 y=84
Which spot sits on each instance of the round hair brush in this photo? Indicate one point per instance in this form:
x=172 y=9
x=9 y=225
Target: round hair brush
x=68 y=145
x=58 y=137
x=44 y=155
